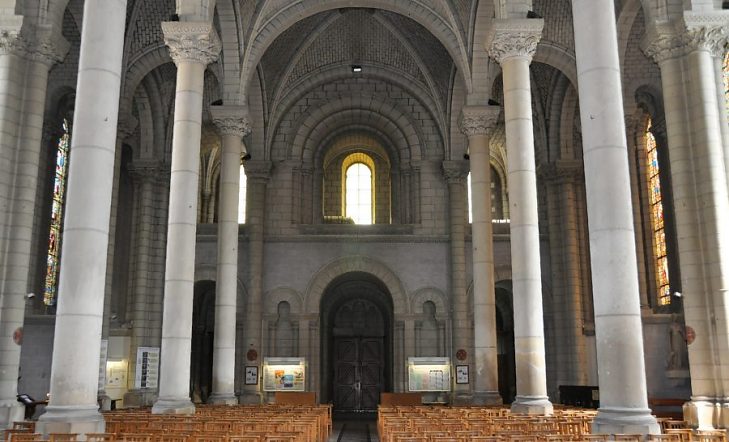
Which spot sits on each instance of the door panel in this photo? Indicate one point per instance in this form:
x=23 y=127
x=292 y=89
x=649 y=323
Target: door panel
x=358 y=373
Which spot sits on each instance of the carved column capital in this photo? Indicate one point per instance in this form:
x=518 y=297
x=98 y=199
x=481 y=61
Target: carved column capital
x=258 y=170
x=478 y=120
x=514 y=38
x=455 y=172
x=698 y=32
x=195 y=42
x=126 y=127
x=231 y=120
x=145 y=171
x=562 y=171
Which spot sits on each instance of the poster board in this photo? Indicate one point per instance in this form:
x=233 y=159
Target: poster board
x=102 y=363
x=284 y=374
x=146 y=374
x=429 y=374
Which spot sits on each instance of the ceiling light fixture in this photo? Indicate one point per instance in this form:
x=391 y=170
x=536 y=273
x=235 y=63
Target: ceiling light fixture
x=356 y=68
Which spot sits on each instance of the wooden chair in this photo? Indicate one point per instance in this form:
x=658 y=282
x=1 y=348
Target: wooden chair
x=100 y=437
x=668 y=437
x=629 y=437
x=685 y=434
x=26 y=436
x=592 y=437
x=24 y=425
x=134 y=437
x=711 y=435
x=63 y=437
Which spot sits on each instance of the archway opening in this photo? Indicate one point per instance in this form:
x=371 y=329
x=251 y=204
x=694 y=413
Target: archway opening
x=505 y=341
x=203 y=327
x=356 y=342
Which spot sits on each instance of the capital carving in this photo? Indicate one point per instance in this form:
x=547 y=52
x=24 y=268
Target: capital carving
x=698 y=32
x=455 y=172
x=126 y=127
x=562 y=171
x=514 y=38
x=231 y=120
x=478 y=120
x=38 y=45
x=145 y=170
x=258 y=170
x=195 y=42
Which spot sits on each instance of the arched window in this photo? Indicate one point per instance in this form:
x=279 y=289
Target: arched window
x=50 y=291
x=655 y=202
x=359 y=188
x=497 y=204
x=242 y=196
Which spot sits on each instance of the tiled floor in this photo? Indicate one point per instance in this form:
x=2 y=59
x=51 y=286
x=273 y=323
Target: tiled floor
x=354 y=431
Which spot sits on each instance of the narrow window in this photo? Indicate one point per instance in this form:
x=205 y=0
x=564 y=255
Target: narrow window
x=242 y=196
x=54 y=238
x=358 y=187
x=655 y=200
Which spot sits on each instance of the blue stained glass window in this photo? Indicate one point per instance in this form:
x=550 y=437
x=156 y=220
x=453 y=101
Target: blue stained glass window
x=50 y=292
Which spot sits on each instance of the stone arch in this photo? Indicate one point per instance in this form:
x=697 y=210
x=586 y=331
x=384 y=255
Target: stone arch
x=357 y=263
x=137 y=69
x=277 y=23
x=210 y=273
x=560 y=58
x=316 y=125
x=432 y=294
x=272 y=298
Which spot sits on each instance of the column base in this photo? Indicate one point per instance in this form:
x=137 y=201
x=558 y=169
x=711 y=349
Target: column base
x=11 y=412
x=700 y=413
x=222 y=399
x=70 y=419
x=250 y=398
x=487 y=398
x=140 y=398
x=723 y=419
x=461 y=398
x=625 y=420
x=173 y=406
x=532 y=405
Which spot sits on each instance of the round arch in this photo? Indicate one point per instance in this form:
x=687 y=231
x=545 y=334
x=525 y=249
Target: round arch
x=278 y=22
x=321 y=280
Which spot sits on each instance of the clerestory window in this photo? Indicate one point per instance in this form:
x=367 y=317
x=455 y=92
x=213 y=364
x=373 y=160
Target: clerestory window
x=655 y=201
x=359 y=188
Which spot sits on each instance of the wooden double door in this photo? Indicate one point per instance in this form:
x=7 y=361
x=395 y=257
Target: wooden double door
x=358 y=373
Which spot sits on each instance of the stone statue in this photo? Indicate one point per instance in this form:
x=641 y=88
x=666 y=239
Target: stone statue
x=429 y=331
x=677 y=345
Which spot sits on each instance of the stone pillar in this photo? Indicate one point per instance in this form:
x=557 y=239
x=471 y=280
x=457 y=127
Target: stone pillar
x=192 y=47
x=145 y=174
x=477 y=123
x=699 y=185
x=456 y=173
x=77 y=338
x=24 y=67
x=618 y=328
x=258 y=173
x=512 y=44
x=233 y=124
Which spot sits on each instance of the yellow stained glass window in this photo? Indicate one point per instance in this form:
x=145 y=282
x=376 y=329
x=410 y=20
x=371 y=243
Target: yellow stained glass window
x=50 y=292
x=657 y=223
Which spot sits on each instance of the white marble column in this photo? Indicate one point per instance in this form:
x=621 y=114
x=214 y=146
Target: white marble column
x=618 y=328
x=77 y=338
x=512 y=44
x=24 y=67
x=477 y=122
x=455 y=174
x=233 y=124
x=698 y=178
x=193 y=45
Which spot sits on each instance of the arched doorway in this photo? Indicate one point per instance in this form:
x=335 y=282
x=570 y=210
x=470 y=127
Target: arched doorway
x=505 y=341
x=357 y=327
x=203 y=327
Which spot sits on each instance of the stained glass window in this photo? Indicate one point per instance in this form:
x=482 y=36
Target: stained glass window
x=726 y=83
x=54 y=238
x=359 y=193
x=657 y=222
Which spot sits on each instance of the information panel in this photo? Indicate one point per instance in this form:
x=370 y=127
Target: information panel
x=147 y=370
x=284 y=374
x=429 y=374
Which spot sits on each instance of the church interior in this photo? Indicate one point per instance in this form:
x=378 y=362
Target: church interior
x=509 y=204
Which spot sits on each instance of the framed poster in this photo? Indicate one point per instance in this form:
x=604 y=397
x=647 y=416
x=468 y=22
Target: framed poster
x=461 y=374
x=284 y=374
x=146 y=372
x=251 y=375
x=429 y=374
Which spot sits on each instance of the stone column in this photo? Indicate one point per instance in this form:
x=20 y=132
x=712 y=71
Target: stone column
x=456 y=173
x=477 y=123
x=192 y=47
x=258 y=173
x=512 y=44
x=618 y=328
x=77 y=338
x=700 y=197
x=27 y=63
x=233 y=124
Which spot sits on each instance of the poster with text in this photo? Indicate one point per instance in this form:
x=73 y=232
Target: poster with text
x=146 y=374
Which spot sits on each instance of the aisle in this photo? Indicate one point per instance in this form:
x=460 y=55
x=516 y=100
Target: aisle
x=354 y=431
